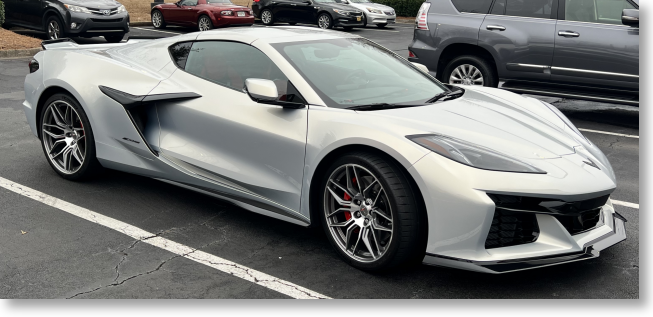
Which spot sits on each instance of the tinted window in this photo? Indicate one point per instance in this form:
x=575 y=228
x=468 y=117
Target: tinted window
x=472 y=6
x=529 y=8
x=596 y=11
x=189 y=2
x=499 y=7
x=179 y=53
x=230 y=63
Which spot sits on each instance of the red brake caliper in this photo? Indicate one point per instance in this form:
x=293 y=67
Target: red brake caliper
x=347 y=213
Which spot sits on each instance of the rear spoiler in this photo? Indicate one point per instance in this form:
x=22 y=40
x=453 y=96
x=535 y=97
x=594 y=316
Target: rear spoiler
x=67 y=43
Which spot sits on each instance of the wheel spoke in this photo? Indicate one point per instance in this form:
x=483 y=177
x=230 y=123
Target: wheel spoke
x=342 y=224
x=358 y=180
x=337 y=211
x=377 y=226
x=368 y=187
x=53 y=126
x=366 y=241
x=52 y=135
x=350 y=186
x=76 y=155
x=341 y=188
x=457 y=73
x=55 y=144
x=376 y=211
x=376 y=242
x=476 y=72
x=348 y=236
x=81 y=155
x=338 y=199
x=67 y=158
x=58 y=153
x=68 y=114
x=377 y=197
x=358 y=239
x=58 y=118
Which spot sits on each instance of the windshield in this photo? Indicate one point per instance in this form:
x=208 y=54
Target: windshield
x=218 y=1
x=354 y=71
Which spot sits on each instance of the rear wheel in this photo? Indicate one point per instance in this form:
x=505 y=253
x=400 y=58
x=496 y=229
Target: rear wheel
x=67 y=138
x=157 y=20
x=324 y=21
x=370 y=213
x=204 y=23
x=470 y=70
x=266 y=17
x=114 y=38
x=54 y=28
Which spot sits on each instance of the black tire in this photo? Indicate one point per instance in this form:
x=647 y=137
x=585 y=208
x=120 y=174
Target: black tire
x=204 y=19
x=162 y=25
x=54 y=21
x=328 y=21
x=263 y=14
x=490 y=78
x=348 y=28
x=114 y=38
x=408 y=242
x=382 y=25
x=91 y=166
x=364 y=20
x=292 y=23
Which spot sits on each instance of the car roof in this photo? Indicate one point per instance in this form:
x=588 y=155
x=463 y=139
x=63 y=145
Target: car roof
x=273 y=34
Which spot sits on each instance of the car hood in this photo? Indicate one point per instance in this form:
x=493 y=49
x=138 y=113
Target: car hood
x=379 y=6
x=98 y=4
x=336 y=6
x=493 y=118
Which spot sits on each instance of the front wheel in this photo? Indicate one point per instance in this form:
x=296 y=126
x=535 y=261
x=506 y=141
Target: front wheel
x=54 y=28
x=470 y=70
x=114 y=38
x=324 y=21
x=266 y=17
x=67 y=138
x=204 y=23
x=370 y=213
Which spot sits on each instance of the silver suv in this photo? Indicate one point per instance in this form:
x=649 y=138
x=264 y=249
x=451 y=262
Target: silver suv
x=584 y=49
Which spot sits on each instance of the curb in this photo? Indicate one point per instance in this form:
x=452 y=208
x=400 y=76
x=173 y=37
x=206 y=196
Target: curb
x=141 y=23
x=19 y=53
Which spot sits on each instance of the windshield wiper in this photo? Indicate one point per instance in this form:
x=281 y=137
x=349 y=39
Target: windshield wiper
x=446 y=94
x=378 y=106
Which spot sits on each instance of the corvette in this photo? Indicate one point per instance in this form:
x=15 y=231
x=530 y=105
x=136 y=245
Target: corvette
x=328 y=129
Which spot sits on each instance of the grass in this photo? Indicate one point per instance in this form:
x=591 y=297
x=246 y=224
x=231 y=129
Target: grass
x=12 y=41
x=139 y=10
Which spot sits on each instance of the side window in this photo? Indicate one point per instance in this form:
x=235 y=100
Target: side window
x=499 y=7
x=529 y=8
x=230 y=63
x=179 y=53
x=189 y=2
x=472 y=6
x=596 y=11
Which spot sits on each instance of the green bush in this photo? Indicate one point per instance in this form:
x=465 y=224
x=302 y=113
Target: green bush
x=2 y=13
x=404 y=8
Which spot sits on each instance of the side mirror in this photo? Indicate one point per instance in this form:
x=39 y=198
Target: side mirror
x=344 y=2
x=630 y=17
x=421 y=67
x=178 y=3
x=265 y=91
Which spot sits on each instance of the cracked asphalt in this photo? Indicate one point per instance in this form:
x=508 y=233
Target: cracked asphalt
x=63 y=256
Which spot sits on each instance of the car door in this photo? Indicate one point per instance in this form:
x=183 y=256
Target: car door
x=247 y=150
x=593 y=47
x=521 y=35
x=11 y=9
x=32 y=12
x=282 y=10
x=305 y=11
x=188 y=12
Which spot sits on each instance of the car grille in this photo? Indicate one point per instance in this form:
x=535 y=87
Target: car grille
x=99 y=11
x=106 y=20
x=356 y=14
x=511 y=228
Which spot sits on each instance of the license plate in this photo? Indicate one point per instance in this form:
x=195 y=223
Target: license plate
x=358 y=18
x=240 y=14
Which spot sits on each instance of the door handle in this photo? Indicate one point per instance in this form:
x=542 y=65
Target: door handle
x=496 y=27
x=568 y=33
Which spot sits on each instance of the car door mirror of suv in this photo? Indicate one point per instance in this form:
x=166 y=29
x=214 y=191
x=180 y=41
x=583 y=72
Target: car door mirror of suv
x=265 y=91
x=630 y=17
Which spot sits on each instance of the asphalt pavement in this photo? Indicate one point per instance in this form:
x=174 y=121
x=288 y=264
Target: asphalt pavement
x=46 y=252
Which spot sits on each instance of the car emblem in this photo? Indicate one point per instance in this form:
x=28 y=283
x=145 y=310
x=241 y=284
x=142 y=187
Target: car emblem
x=105 y=12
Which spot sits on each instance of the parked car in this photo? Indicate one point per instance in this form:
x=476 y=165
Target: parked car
x=329 y=129
x=325 y=13
x=374 y=13
x=64 y=18
x=202 y=14
x=584 y=49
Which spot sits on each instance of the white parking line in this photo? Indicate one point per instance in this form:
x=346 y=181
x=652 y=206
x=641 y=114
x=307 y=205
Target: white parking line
x=610 y=133
x=193 y=254
x=153 y=30
x=625 y=204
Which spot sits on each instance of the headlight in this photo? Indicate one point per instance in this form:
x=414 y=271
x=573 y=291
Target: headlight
x=73 y=8
x=472 y=155
x=564 y=119
x=374 y=10
x=343 y=12
x=121 y=9
x=226 y=13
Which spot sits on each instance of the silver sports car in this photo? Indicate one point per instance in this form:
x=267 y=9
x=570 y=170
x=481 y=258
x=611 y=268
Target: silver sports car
x=322 y=128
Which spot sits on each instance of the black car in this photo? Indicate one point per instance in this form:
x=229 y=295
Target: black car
x=325 y=13
x=64 y=18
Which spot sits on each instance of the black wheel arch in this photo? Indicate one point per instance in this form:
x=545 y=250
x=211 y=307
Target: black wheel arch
x=51 y=11
x=47 y=93
x=458 y=49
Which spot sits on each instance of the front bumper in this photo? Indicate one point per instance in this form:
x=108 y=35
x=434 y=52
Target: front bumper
x=97 y=25
x=344 y=20
x=378 y=18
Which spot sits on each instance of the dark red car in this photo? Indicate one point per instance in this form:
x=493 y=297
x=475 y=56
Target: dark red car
x=203 y=14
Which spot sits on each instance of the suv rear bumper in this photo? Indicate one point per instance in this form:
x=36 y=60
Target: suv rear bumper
x=97 y=25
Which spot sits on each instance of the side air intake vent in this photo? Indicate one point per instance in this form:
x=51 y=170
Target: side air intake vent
x=511 y=228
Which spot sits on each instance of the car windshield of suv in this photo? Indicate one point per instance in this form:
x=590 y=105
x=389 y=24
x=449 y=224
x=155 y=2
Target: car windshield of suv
x=352 y=72
x=219 y=1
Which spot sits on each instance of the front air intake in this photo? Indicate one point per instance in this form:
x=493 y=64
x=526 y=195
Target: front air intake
x=511 y=228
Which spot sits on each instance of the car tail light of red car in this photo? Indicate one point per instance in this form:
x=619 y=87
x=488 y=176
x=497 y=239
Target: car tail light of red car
x=227 y=13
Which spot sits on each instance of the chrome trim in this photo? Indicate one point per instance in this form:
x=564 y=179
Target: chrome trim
x=568 y=33
x=562 y=22
x=596 y=72
x=561 y=94
x=495 y=27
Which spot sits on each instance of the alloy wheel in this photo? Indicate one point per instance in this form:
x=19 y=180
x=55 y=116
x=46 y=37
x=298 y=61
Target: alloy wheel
x=54 y=30
x=324 y=22
x=266 y=17
x=156 y=19
x=466 y=74
x=358 y=213
x=64 y=137
x=204 y=24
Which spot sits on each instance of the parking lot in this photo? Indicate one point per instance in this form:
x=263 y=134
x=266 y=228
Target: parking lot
x=63 y=239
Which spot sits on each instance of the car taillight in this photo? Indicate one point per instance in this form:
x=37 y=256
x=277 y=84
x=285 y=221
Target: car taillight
x=411 y=54
x=33 y=66
x=256 y=0
x=421 y=21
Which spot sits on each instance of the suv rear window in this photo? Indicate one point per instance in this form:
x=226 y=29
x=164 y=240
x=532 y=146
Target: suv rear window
x=472 y=6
